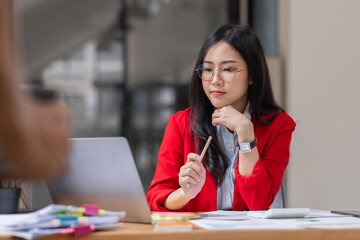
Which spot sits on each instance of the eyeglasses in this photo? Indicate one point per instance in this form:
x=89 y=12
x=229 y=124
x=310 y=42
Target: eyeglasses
x=226 y=73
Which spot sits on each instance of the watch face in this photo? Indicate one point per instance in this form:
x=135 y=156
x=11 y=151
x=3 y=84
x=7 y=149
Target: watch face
x=245 y=147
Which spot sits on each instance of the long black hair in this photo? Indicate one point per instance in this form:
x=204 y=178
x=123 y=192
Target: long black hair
x=260 y=95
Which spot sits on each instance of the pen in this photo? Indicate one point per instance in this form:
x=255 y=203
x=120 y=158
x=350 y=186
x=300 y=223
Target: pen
x=203 y=153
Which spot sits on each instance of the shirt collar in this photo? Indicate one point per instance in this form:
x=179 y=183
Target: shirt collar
x=247 y=111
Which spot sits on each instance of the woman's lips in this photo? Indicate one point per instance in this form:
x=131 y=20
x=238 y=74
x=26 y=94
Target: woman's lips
x=217 y=93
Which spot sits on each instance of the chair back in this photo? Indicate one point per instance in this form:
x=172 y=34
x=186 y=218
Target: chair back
x=279 y=201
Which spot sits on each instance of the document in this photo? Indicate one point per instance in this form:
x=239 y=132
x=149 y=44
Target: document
x=322 y=214
x=232 y=220
x=331 y=223
x=7 y=220
x=225 y=215
x=253 y=224
x=59 y=219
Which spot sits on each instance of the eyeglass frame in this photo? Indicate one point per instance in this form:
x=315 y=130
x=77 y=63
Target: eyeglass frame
x=212 y=73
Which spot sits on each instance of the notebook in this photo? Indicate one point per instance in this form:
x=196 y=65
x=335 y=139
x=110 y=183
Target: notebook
x=102 y=172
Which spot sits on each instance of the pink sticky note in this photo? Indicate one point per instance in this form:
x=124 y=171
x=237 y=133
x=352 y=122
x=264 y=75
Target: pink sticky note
x=82 y=230
x=91 y=210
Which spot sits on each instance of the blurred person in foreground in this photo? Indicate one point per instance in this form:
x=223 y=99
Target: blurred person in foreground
x=33 y=133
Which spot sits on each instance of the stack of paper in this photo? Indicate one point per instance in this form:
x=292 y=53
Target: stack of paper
x=59 y=219
x=173 y=221
x=276 y=219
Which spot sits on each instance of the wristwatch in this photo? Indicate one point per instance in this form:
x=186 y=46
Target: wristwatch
x=246 y=147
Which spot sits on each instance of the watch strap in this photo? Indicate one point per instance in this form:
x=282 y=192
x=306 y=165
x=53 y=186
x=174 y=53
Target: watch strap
x=253 y=143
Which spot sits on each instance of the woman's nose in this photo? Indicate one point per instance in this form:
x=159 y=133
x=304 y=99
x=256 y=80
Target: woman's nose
x=216 y=78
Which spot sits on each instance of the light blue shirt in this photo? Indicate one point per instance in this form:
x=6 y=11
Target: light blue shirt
x=228 y=140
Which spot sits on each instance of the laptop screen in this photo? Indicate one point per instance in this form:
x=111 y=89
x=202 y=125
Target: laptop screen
x=102 y=172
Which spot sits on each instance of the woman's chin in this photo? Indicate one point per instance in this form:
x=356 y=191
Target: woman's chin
x=218 y=105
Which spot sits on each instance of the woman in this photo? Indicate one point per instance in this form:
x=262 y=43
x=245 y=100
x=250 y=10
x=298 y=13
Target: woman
x=231 y=100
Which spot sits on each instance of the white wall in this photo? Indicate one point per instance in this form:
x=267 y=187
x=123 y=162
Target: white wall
x=321 y=50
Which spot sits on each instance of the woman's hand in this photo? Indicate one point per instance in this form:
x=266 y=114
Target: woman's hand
x=39 y=139
x=192 y=175
x=235 y=121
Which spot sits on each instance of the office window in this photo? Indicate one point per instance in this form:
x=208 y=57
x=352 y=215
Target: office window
x=263 y=19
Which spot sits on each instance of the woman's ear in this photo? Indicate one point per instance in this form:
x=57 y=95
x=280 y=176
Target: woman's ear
x=251 y=81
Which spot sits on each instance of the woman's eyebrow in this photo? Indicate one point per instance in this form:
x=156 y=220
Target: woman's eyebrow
x=228 y=61
x=223 y=62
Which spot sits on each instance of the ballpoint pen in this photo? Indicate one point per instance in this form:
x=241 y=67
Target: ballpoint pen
x=202 y=153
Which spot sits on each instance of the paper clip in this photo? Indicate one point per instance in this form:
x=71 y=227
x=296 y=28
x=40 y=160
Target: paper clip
x=83 y=230
x=91 y=210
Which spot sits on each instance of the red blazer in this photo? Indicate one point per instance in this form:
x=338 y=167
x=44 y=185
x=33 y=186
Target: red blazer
x=255 y=192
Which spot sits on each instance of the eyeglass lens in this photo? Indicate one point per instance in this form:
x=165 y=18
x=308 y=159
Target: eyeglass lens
x=206 y=73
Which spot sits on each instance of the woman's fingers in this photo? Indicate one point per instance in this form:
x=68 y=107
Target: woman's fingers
x=196 y=166
x=193 y=170
x=218 y=117
x=189 y=180
x=193 y=157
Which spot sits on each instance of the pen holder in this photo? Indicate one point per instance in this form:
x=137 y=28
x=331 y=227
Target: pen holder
x=9 y=200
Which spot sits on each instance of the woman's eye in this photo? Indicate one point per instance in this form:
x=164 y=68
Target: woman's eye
x=207 y=69
x=228 y=69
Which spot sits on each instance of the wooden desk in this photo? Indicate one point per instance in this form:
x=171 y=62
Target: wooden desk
x=131 y=231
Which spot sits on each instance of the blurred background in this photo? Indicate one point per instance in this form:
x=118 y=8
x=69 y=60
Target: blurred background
x=123 y=67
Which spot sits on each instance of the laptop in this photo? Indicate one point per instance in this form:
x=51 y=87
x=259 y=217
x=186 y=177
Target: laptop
x=102 y=172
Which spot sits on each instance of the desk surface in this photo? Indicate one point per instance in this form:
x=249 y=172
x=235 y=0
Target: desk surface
x=145 y=231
